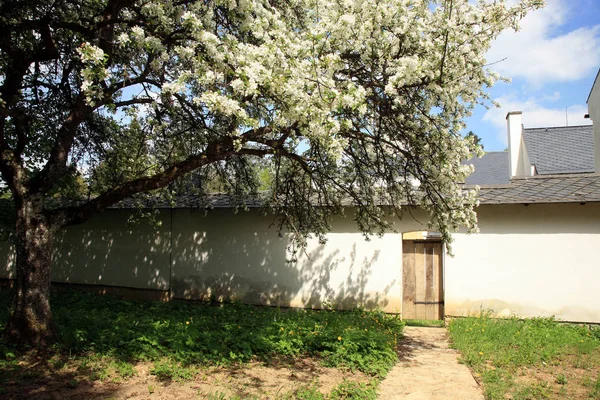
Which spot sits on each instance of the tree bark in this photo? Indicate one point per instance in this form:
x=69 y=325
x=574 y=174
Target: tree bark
x=31 y=321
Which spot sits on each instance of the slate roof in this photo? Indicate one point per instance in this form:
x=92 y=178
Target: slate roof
x=561 y=150
x=491 y=169
x=540 y=189
x=576 y=188
x=216 y=200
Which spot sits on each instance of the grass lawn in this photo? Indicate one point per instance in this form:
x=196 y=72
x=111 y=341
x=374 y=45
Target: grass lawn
x=108 y=344
x=430 y=323
x=530 y=359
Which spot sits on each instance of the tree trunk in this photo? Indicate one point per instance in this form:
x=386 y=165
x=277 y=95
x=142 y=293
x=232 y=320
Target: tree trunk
x=30 y=323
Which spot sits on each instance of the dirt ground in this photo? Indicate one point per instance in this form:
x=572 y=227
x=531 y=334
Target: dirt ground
x=571 y=377
x=429 y=370
x=254 y=380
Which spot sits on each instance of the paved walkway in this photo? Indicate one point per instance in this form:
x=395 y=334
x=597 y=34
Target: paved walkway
x=429 y=370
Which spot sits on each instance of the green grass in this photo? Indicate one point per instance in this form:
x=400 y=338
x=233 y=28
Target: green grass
x=434 y=323
x=345 y=390
x=510 y=355
x=107 y=336
x=355 y=390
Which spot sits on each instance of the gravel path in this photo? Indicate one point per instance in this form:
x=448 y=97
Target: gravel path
x=429 y=370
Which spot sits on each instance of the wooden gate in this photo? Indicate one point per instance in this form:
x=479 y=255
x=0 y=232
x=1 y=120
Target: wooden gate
x=422 y=276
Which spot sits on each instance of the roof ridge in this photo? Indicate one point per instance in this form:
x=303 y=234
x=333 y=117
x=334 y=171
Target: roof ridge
x=559 y=127
x=554 y=176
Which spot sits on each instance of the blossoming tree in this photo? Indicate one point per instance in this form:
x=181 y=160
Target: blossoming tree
x=351 y=101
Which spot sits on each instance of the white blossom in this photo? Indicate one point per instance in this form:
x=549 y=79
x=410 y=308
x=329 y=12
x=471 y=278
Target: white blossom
x=138 y=34
x=390 y=79
x=123 y=39
x=90 y=54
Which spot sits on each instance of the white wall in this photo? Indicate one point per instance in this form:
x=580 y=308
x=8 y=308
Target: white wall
x=7 y=260
x=238 y=256
x=234 y=256
x=594 y=111
x=106 y=250
x=536 y=260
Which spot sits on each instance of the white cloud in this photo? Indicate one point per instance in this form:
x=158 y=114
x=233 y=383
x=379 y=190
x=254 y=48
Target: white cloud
x=551 y=97
x=534 y=115
x=539 y=55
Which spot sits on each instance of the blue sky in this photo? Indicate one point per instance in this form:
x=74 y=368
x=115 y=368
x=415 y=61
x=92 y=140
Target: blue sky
x=552 y=61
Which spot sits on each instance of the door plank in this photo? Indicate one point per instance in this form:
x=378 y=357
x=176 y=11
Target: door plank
x=420 y=279
x=422 y=276
x=439 y=282
x=429 y=296
x=408 y=280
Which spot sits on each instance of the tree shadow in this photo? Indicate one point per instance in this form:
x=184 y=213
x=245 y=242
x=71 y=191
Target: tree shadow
x=409 y=345
x=109 y=250
x=217 y=257
x=99 y=333
x=37 y=378
x=220 y=257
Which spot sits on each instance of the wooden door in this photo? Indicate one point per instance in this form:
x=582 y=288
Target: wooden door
x=422 y=277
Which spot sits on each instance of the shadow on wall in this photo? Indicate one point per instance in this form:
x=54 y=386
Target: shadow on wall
x=225 y=256
x=107 y=250
x=350 y=291
x=220 y=256
x=7 y=260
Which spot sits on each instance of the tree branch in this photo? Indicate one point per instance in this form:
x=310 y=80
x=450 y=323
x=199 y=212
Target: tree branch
x=217 y=152
x=126 y=103
x=56 y=166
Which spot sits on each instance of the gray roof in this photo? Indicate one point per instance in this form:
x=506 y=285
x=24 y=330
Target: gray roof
x=577 y=188
x=214 y=200
x=491 y=169
x=561 y=150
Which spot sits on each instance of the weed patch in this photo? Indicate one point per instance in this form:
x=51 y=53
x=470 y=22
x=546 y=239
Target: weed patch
x=425 y=322
x=345 y=390
x=533 y=358
x=103 y=338
x=355 y=390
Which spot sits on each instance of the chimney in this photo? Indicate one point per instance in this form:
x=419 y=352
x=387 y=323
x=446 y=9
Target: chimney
x=514 y=124
x=517 y=153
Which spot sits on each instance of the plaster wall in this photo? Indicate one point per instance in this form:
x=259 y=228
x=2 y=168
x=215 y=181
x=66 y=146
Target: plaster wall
x=231 y=256
x=239 y=256
x=539 y=260
x=594 y=111
x=7 y=260
x=106 y=250
x=536 y=260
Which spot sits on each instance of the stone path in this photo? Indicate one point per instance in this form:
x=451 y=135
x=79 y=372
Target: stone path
x=429 y=370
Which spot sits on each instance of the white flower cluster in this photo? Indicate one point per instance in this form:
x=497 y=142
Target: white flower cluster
x=93 y=72
x=402 y=74
x=221 y=104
